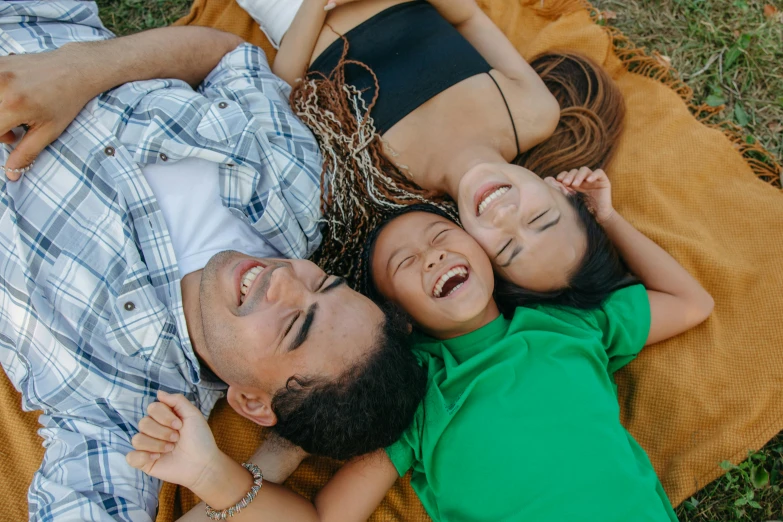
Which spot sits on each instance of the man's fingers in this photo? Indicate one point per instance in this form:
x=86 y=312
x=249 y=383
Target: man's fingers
x=29 y=148
x=142 y=460
x=153 y=428
x=164 y=415
x=181 y=406
x=142 y=442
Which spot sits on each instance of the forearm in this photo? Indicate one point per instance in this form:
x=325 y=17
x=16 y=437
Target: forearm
x=184 y=53
x=277 y=459
x=296 y=49
x=228 y=484
x=677 y=301
x=350 y=496
x=654 y=267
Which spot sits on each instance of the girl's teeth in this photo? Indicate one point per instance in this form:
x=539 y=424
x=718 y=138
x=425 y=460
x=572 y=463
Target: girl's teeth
x=445 y=277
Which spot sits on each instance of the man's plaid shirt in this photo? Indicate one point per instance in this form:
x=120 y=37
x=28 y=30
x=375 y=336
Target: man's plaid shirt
x=91 y=318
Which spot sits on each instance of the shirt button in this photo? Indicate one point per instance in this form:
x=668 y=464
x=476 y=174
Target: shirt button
x=222 y=105
x=164 y=157
x=109 y=151
x=130 y=306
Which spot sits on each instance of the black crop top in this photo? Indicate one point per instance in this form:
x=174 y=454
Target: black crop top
x=415 y=54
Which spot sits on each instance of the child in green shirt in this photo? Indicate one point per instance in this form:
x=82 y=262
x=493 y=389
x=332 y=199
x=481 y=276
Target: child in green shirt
x=520 y=420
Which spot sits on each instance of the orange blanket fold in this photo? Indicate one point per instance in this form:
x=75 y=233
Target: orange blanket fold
x=706 y=396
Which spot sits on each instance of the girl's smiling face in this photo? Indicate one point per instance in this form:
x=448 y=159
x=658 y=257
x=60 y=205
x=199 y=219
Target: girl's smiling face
x=436 y=272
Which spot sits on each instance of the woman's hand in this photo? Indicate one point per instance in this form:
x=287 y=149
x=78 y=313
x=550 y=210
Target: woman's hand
x=43 y=91
x=175 y=443
x=595 y=185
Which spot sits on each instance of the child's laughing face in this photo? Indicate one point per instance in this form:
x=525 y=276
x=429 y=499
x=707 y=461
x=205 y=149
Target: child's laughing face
x=436 y=272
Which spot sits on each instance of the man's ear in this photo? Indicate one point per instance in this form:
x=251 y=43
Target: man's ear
x=255 y=405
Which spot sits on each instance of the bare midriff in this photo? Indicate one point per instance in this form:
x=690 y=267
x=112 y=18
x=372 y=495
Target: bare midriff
x=438 y=139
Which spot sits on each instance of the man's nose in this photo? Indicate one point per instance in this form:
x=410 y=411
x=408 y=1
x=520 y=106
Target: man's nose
x=285 y=288
x=434 y=258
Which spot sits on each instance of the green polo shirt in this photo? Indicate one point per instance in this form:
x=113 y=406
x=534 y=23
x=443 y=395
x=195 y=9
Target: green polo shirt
x=521 y=420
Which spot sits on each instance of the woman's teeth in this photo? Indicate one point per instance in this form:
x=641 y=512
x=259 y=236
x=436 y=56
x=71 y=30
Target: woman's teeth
x=490 y=198
x=248 y=279
x=459 y=271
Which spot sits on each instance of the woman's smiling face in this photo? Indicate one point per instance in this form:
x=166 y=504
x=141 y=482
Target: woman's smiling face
x=526 y=225
x=436 y=272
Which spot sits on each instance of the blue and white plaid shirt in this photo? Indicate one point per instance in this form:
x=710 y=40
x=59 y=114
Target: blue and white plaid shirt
x=91 y=317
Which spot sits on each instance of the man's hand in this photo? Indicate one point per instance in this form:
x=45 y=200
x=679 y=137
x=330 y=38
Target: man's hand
x=175 y=443
x=43 y=91
x=595 y=185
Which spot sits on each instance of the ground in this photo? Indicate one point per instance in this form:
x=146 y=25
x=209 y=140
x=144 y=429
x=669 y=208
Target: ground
x=730 y=52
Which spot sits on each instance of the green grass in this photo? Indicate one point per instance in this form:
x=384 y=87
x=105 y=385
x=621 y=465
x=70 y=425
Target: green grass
x=729 y=53
x=131 y=16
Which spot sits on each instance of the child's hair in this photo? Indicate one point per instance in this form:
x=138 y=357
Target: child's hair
x=367 y=408
x=600 y=272
x=361 y=185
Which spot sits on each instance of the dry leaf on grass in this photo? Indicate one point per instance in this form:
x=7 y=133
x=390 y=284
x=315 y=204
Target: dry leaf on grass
x=770 y=11
x=608 y=15
x=662 y=59
x=775 y=126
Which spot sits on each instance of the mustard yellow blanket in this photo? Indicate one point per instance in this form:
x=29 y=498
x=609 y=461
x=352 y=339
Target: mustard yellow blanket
x=694 y=187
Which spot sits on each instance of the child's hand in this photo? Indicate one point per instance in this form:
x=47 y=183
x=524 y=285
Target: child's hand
x=174 y=442
x=595 y=185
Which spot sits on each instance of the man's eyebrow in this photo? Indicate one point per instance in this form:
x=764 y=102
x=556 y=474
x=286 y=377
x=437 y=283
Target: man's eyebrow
x=338 y=281
x=301 y=337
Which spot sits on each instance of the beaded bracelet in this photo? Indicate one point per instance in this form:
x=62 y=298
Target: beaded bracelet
x=18 y=171
x=258 y=480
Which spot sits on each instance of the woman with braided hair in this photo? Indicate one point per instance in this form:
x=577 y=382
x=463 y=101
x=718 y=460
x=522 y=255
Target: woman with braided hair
x=419 y=100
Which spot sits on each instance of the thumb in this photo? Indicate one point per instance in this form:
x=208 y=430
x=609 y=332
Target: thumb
x=25 y=153
x=181 y=406
x=8 y=138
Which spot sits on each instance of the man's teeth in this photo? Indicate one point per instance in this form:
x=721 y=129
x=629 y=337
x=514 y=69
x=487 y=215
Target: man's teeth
x=249 y=277
x=490 y=198
x=460 y=270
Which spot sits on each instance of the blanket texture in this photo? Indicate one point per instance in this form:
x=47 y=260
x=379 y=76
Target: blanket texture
x=688 y=181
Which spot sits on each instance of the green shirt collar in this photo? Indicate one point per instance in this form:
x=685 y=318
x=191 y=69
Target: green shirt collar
x=465 y=346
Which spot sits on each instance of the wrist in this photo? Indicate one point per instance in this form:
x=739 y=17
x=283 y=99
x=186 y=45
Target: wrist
x=605 y=217
x=223 y=483
x=83 y=70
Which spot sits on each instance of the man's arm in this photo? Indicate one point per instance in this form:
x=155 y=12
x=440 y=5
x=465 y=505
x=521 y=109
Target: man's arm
x=46 y=91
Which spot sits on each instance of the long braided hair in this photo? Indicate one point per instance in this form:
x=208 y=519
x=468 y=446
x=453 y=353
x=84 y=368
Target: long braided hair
x=361 y=186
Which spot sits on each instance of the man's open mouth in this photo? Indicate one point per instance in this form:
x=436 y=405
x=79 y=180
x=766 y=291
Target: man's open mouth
x=450 y=282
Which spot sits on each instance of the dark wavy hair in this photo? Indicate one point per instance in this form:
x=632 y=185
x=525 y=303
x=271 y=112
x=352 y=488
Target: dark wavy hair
x=600 y=273
x=366 y=408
